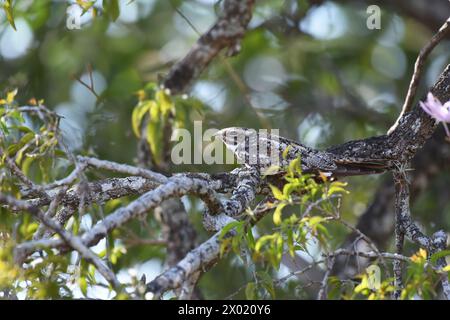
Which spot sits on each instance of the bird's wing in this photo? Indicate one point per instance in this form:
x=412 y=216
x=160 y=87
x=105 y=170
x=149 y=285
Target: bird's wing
x=261 y=150
x=265 y=151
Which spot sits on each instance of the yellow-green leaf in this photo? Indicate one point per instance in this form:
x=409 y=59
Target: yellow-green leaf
x=111 y=7
x=288 y=188
x=7 y=6
x=9 y=97
x=261 y=241
x=85 y=5
x=277 y=213
x=228 y=228
x=279 y=245
x=277 y=193
x=138 y=114
x=83 y=285
x=164 y=101
x=154 y=138
x=27 y=164
x=250 y=291
x=364 y=285
x=286 y=151
x=295 y=166
x=337 y=187
x=290 y=242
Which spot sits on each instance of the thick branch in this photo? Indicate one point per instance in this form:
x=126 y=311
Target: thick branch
x=418 y=69
x=202 y=257
x=100 y=191
x=175 y=187
x=377 y=222
x=414 y=129
x=226 y=33
x=406 y=226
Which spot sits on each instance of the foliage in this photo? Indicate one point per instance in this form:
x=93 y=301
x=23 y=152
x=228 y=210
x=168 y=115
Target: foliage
x=319 y=91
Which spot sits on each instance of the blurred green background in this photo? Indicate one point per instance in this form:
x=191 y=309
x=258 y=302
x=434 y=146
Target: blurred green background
x=311 y=69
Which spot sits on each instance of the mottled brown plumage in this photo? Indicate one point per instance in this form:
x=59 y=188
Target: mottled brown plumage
x=262 y=150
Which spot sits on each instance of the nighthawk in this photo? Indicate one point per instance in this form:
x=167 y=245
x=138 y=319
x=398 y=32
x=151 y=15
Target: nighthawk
x=264 y=150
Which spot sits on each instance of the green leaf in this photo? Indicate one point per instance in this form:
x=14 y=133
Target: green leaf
x=277 y=214
x=337 y=187
x=223 y=246
x=295 y=166
x=8 y=8
x=76 y=225
x=16 y=115
x=250 y=239
x=269 y=287
x=441 y=254
x=228 y=228
x=279 y=248
x=27 y=164
x=277 y=193
x=21 y=144
x=83 y=285
x=235 y=242
x=261 y=241
x=250 y=291
x=288 y=188
x=10 y=96
x=286 y=151
x=111 y=7
x=290 y=242
x=139 y=113
x=314 y=221
x=267 y=282
x=85 y=5
x=113 y=258
x=155 y=135
x=91 y=274
x=24 y=129
x=362 y=286
x=4 y=127
x=164 y=101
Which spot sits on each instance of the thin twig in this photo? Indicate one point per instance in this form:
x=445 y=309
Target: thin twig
x=123 y=168
x=418 y=69
x=370 y=254
x=71 y=240
x=15 y=170
x=322 y=295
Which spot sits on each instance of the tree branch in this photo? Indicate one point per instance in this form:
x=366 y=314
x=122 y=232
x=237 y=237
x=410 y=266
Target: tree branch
x=176 y=186
x=225 y=33
x=67 y=238
x=405 y=225
x=418 y=69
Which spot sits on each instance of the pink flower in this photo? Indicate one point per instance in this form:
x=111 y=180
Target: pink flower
x=437 y=110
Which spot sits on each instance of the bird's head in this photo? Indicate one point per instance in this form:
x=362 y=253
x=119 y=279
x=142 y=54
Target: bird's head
x=233 y=136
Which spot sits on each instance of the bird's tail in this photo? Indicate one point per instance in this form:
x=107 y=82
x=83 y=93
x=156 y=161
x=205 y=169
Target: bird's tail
x=356 y=167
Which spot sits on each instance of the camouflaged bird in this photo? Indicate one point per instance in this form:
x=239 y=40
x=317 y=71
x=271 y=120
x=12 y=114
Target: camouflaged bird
x=265 y=152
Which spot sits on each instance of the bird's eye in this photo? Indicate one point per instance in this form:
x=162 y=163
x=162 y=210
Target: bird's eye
x=230 y=136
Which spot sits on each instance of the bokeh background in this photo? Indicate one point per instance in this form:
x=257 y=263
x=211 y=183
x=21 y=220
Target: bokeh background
x=311 y=69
